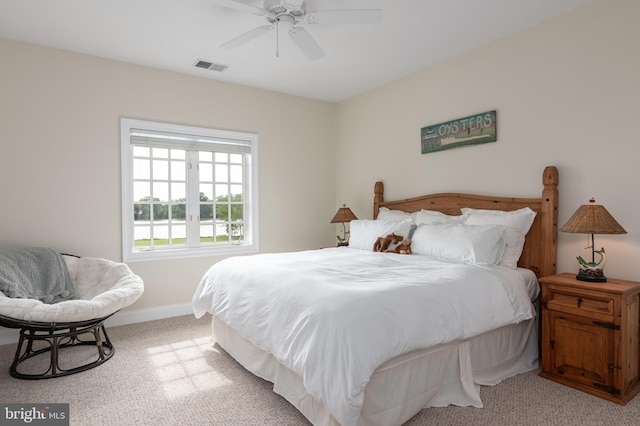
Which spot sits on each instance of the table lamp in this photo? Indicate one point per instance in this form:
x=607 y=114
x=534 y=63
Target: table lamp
x=592 y=219
x=343 y=215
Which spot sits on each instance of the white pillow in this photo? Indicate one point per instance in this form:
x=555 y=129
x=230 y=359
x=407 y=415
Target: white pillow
x=394 y=215
x=481 y=244
x=364 y=233
x=518 y=223
x=429 y=217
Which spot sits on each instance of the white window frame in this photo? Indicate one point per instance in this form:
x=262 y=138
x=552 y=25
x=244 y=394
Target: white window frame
x=198 y=137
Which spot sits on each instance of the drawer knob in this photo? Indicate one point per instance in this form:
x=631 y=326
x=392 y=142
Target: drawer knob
x=579 y=301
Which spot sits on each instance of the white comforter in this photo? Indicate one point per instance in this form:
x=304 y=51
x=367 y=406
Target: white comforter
x=334 y=315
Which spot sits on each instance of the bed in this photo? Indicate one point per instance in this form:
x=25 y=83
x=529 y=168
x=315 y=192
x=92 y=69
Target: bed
x=346 y=339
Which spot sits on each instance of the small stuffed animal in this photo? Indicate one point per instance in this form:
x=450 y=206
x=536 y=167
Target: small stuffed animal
x=383 y=243
x=403 y=248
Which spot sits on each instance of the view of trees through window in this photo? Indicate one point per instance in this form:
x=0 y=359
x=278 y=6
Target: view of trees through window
x=227 y=210
x=162 y=210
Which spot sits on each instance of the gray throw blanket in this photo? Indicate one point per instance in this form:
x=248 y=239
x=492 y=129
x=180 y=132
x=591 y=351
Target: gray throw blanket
x=35 y=273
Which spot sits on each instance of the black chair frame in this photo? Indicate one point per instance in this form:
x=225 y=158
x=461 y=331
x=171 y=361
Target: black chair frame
x=58 y=336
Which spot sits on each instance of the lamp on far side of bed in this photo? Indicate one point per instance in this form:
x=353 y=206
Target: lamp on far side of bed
x=343 y=215
x=592 y=219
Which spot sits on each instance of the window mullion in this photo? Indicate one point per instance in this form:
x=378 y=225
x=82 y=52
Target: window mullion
x=246 y=203
x=193 y=200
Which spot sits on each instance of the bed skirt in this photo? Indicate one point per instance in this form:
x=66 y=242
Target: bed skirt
x=401 y=387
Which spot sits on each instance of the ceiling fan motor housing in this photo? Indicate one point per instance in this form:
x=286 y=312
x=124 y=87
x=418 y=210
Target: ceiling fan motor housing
x=275 y=8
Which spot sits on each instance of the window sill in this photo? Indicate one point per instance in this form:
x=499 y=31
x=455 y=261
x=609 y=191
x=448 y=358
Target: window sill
x=183 y=253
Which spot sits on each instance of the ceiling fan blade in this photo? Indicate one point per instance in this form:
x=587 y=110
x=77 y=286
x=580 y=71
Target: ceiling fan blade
x=345 y=17
x=240 y=5
x=306 y=43
x=246 y=37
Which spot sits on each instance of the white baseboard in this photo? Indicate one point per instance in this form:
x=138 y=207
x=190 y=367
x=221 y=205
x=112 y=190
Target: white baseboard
x=8 y=335
x=149 y=314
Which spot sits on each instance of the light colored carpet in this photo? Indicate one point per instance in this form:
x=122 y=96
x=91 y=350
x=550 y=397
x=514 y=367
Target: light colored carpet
x=168 y=372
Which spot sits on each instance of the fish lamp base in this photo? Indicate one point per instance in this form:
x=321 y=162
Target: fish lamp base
x=591 y=275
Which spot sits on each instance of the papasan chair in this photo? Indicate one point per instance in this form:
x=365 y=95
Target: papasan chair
x=61 y=301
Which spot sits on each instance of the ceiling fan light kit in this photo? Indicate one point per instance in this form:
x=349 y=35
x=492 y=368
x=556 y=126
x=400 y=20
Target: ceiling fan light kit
x=291 y=15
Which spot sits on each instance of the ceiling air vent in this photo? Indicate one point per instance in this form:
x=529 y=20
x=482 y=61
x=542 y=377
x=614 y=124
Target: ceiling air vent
x=210 y=65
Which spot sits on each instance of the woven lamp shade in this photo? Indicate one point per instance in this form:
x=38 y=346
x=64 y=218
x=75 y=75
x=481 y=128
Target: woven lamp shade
x=344 y=214
x=592 y=219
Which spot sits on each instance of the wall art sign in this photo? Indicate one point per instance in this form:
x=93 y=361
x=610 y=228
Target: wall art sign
x=472 y=130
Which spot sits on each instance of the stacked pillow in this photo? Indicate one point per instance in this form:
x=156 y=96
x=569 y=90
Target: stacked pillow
x=430 y=217
x=460 y=243
x=517 y=222
x=395 y=215
x=487 y=237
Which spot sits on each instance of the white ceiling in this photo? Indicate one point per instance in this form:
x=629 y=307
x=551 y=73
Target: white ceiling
x=174 y=34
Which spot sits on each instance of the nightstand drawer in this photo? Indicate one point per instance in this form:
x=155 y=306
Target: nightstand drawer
x=568 y=300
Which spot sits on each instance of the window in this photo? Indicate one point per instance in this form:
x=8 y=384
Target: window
x=187 y=191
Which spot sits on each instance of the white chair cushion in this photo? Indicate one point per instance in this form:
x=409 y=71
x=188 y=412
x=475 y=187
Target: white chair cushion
x=104 y=287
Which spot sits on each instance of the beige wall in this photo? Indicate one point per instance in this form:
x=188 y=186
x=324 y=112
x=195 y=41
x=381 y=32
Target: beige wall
x=567 y=93
x=60 y=157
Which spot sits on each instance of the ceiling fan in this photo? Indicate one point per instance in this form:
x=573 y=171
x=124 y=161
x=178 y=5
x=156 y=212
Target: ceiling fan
x=290 y=14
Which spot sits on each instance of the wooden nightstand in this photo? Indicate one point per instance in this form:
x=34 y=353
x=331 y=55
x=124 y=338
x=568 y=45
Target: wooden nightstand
x=590 y=336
